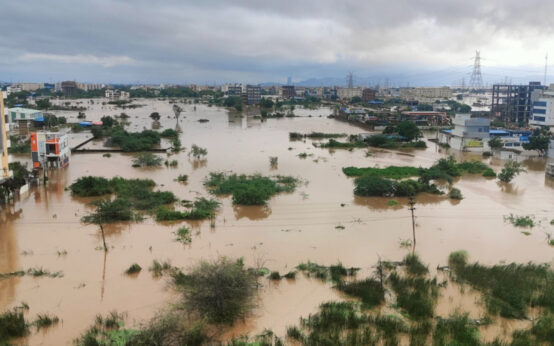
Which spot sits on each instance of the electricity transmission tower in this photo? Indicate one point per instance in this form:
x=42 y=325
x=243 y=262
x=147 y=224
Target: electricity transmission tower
x=350 y=80
x=476 y=80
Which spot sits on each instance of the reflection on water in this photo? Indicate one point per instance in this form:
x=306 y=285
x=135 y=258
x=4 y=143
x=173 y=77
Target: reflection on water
x=251 y=212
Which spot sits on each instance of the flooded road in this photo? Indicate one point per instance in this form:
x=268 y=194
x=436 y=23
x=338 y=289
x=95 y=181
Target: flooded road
x=292 y=228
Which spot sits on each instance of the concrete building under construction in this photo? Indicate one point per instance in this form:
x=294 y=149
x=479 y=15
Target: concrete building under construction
x=50 y=149
x=514 y=103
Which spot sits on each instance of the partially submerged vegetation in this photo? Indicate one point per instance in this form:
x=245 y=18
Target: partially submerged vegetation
x=201 y=208
x=133 y=141
x=520 y=221
x=315 y=135
x=249 y=189
x=147 y=160
x=334 y=273
x=509 y=289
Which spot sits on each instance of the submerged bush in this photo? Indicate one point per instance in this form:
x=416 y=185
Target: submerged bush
x=508 y=289
x=133 y=141
x=455 y=193
x=249 y=189
x=456 y=330
x=133 y=269
x=221 y=290
x=12 y=325
x=369 y=291
x=520 y=221
x=374 y=186
x=147 y=160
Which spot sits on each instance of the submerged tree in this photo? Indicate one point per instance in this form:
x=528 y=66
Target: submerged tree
x=510 y=170
x=197 y=152
x=107 y=211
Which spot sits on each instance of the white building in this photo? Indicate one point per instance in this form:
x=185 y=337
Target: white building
x=425 y=94
x=117 y=94
x=469 y=133
x=348 y=93
x=543 y=111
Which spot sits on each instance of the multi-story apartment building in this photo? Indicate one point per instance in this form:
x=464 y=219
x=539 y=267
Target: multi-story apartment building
x=50 y=149
x=253 y=94
x=425 y=94
x=543 y=111
x=5 y=172
x=288 y=91
x=348 y=93
x=368 y=94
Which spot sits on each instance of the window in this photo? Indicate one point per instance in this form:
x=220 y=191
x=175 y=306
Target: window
x=536 y=118
x=539 y=111
x=539 y=103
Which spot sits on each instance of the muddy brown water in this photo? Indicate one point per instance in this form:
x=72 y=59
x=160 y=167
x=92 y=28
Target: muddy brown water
x=292 y=228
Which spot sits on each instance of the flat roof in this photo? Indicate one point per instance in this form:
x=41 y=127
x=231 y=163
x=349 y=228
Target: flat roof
x=24 y=110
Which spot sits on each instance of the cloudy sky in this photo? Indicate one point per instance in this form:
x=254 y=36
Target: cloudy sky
x=421 y=42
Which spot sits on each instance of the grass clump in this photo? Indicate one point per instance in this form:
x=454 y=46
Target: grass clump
x=290 y=275
x=369 y=291
x=509 y=289
x=201 y=208
x=133 y=269
x=12 y=325
x=147 y=160
x=182 y=178
x=520 y=221
x=168 y=329
x=183 y=235
x=414 y=265
x=45 y=320
x=333 y=273
x=415 y=295
x=456 y=330
x=391 y=172
x=106 y=331
x=159 y=268
x=198 y=152
x=39 y=271
x=221 y=291
x=249 y=189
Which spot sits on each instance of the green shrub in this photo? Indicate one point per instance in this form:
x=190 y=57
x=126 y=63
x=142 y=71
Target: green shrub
x=12 y=325
x=147 y=160
x=133 y=269
x=369 y=291
x=91 y=186
x=133 y=141
x=249 y=189
x=520 y=221
x=455 y=193
x=221 y=290
x=391 y=172
x=456 y=330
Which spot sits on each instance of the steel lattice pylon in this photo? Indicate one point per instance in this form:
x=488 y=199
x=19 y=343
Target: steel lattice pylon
x=476 y=80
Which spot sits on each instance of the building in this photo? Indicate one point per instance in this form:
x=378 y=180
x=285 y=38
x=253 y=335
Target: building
x=288 y=91
x=5 y=172
x=469 y=134
x=69 y=88
x=425 y=94
x=50 y=149
x=117 y=94
x=253 y=94
x=28 y=86
x=349 y=93
x=513 y=103
x=368 y=94
x=425 y=118
x=90 y=86
x=234 y=90
x=543 y=111
x=25 y=118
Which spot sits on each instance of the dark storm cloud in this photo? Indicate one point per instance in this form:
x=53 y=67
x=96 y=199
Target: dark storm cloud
x=252 y=41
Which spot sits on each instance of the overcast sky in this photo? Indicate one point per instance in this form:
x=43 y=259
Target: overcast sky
x=209 y=41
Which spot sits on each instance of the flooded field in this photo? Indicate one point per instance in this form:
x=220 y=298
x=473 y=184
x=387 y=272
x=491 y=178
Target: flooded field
x=44 y=230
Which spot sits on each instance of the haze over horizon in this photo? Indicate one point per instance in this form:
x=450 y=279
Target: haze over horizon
x=405 y=42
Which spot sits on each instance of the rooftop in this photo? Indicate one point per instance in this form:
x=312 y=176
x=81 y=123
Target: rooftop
x=24 y=110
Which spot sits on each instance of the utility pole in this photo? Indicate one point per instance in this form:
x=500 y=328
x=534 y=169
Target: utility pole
x=411 y=202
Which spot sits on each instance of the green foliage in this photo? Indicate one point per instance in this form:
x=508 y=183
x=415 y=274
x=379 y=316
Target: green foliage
x=182 y=178
x=509 y=289
x=409 y=130
x=12 y=325
x=108 y=121
x=416 y=295
x=19 y=146
x=169 y=133
x=220 y=291
x=275 y=276
x=538 y=143
x=106 y=331
x=414 y=265
x=133 y=141
x=147 y=160
x=521 y=221
x=315 y=135
x=45 y=320
x=333 y=273
x=456 y=330
x=133 y=269
x=369 y=291
x=374 y=186
x=202 y=208
x=158 y=268
x=510 y=170
x=334 y=144
x=391 y=172
x=107 y=211
x=455 y=194
x=183 y=235
x=168 y=329
x=489 y=173
x=155 y=116
x=249 y=189
x=496 y=143
x=198 y=152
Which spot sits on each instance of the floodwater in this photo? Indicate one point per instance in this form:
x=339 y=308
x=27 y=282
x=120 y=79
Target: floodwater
x=292 y=228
